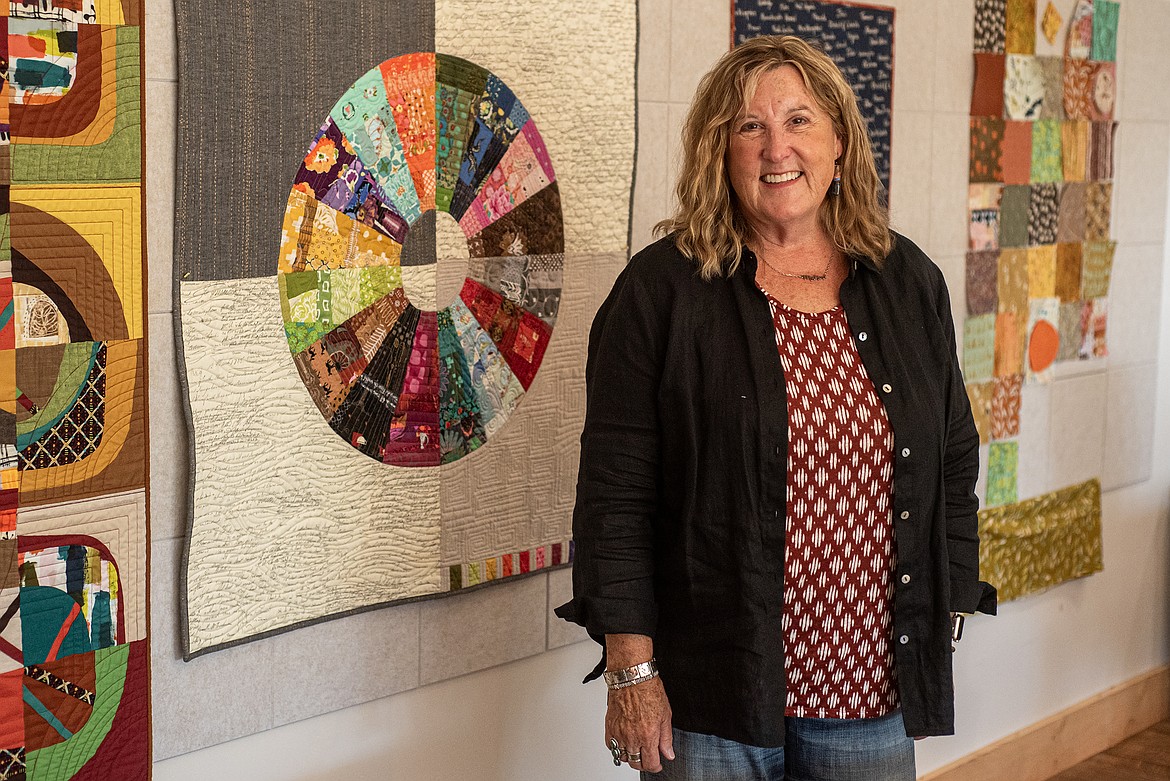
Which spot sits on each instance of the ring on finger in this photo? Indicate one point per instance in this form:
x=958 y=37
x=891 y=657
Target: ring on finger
x=635 y=757
x=616 y=752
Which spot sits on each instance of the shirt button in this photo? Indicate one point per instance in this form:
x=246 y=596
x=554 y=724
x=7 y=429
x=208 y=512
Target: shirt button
x=861 y=337
x=888 y=388
x=903 y=639
x=905 y=578
x=905 y=514
x=777 y=450
x=775 y=513
x=905 y=452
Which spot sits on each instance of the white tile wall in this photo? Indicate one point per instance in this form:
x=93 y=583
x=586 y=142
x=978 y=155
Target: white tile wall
x=700 y=33
x=1076 y=443
x=168 y=437
x=1036 y=430
x=1141 y=159
x=954 y=40
x=1143 y=68
x=654 y=175
x=914 y=68
x=161 y=107
x=212 y=699
x=910 y=175
x=379 y=655
x=950 y=152
x=161 y=55
x=1135 y=304
x=676 y=117
x=483 y=628
x=1129 y=425
x=654 y=66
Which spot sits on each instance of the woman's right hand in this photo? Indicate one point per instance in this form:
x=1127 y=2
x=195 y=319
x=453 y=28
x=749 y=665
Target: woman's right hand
x=638 y=717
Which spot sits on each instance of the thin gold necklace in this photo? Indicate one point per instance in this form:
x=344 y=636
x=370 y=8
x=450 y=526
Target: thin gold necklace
x=806 y=277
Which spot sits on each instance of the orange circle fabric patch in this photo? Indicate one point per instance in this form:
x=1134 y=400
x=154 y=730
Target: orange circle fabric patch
x=1043 y=346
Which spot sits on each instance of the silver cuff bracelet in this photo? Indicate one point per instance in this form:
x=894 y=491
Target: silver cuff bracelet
x=628 y=676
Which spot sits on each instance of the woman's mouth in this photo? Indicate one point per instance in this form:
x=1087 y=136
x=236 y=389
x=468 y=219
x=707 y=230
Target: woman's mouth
x=781 y=178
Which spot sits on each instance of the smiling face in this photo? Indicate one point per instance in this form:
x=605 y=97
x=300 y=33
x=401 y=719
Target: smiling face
x=780 y=156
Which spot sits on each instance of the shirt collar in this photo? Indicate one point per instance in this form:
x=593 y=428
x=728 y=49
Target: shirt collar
x=749 y=264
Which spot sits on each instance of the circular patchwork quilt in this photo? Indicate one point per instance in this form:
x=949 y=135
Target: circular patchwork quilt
x=417 y=142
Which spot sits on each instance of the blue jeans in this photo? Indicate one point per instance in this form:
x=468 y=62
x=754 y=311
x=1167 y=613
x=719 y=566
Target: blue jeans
x=813 y=750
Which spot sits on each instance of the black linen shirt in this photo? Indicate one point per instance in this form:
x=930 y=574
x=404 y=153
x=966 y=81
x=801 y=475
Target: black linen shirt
x=680 y=515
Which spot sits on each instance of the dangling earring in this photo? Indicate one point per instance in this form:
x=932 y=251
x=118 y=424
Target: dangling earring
x=835 y=187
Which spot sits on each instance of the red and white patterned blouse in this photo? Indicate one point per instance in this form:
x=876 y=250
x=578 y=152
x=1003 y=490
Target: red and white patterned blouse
x=838 y=576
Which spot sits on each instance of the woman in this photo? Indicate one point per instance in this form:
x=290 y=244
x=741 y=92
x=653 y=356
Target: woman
x=775 y=509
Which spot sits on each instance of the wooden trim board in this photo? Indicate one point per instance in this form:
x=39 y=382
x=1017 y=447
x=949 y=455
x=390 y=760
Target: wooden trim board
x=1055 y=744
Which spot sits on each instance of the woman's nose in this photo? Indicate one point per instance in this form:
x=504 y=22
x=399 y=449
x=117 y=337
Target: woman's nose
x=776 y=145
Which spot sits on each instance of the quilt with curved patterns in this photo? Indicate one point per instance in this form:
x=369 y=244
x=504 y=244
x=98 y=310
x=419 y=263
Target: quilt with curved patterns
x=74 y=653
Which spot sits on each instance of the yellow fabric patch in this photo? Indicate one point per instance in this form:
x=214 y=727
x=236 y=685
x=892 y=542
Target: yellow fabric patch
x=1041 y=542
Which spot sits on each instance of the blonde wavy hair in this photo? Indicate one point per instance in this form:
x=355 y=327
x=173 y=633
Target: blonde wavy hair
x=708 y=225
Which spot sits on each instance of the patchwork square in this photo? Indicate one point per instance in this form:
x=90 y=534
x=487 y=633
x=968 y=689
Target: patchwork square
x=1098 y=210
x=1097 y=268
x=1105 y=14
x=1068 y=272
x=987 y=97
x=1074 y=149
x=1005 y=407
x=1020 y=34
x=1095 y=320
x=1050 y=23
x=1024 y=89
x=1013 y=216
x=1009 y=342
x=1042 y=271
x=1072 y=329
x=1043 y=213
x=980 y=395
x=1071 y=222
x=1079 y=43
x=990 y=26
x=1002 y=480
x=1103 y=91
x=982 y=282
x=983 y=206
x=1052 y=76
x=986 y=146
x=1017 y=152
x=1047 y=162
x=1043 y=338
x=979 y=348
x=1078 y=89
x=1100 y=151
x=1012 y=289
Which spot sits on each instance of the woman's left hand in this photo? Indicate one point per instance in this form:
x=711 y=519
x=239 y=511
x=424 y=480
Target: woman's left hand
x=638 y=717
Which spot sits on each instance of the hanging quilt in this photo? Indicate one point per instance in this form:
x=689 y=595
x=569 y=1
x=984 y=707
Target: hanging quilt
x=74 y=652
x=383 y=322
x=1039 y=262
